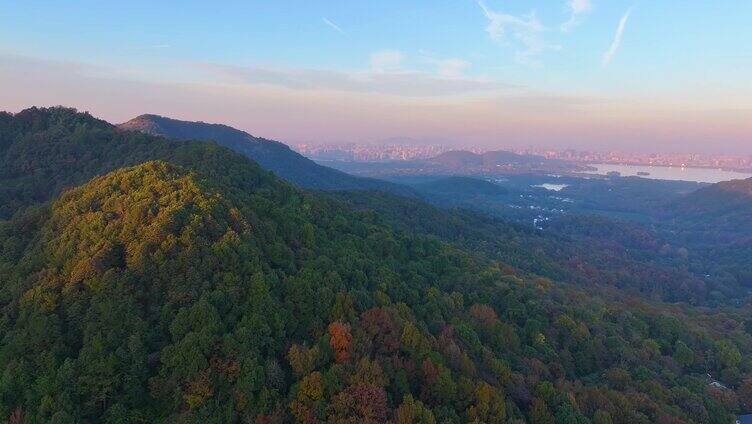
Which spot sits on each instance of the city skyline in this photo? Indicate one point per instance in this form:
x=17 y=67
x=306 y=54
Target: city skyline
x=581 y=74
x=403 y=150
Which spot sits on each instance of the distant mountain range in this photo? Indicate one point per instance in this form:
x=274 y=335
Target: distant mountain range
x=456 y=162
x=271 y=155
x=465 y=159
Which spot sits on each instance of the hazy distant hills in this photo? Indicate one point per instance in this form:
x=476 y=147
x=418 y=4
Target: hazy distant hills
x=725 y=206
x=720 y=212
x=726 y=196
x=465 y=159
x=743 y=187
x=272 y=155
x=456 y=162
x=457 y=159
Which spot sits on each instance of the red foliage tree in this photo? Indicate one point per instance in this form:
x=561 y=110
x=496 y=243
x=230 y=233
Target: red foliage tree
x=340 y=340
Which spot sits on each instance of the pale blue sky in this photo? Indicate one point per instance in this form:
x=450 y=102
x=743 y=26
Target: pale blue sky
x=523 y=61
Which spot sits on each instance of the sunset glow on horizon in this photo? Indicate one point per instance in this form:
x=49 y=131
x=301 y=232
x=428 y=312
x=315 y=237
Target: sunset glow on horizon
x=582 y=74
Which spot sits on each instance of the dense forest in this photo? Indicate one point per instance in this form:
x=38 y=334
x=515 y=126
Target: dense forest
x=715 y=223
x=672 y=240
x=144 y=279
x=586 y=250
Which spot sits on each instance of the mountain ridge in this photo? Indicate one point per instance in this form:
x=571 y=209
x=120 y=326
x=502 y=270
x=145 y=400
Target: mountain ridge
x=270 y=154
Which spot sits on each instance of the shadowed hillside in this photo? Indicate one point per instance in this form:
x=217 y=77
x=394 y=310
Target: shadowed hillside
x=270 y=154
x=715 y=224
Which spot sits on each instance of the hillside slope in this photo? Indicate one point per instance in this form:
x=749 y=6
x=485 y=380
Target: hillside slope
x=210 y=290
x=595 y=253
x=459 y=185
x=715 y=225
x=47 y=151
x=725 y=201
x=272 y=155
x=717 y=215
x=157 y=294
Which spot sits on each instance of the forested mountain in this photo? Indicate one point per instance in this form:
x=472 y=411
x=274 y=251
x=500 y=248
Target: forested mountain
x=272 y=155
x=727 y=205
x=675 y=241
x=589 y=251
x=187 y=284
x=47 y=151
x=452 y=186
x=715 y=224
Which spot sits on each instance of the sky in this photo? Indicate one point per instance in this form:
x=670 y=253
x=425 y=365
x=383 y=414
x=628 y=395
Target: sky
x=633 y=75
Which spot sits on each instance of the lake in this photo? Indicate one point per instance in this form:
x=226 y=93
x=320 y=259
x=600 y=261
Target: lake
x=552 y=187
x=700 y=175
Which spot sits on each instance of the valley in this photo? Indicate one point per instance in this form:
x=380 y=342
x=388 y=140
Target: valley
x=147 y=278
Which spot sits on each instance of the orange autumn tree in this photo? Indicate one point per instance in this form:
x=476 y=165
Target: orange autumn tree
x=340 y=339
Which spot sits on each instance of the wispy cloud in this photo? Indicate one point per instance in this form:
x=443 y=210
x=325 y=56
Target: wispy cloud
x=616 y=42
x=452 y=67
x=332 y=25
x=576 y=8
x=386 y=75
x=526 y=30
x=387 y=71
x=449 y=67
x=386 y=60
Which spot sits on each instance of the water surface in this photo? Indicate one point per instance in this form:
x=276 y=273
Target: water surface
x=674 y=173
x=552 y=187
